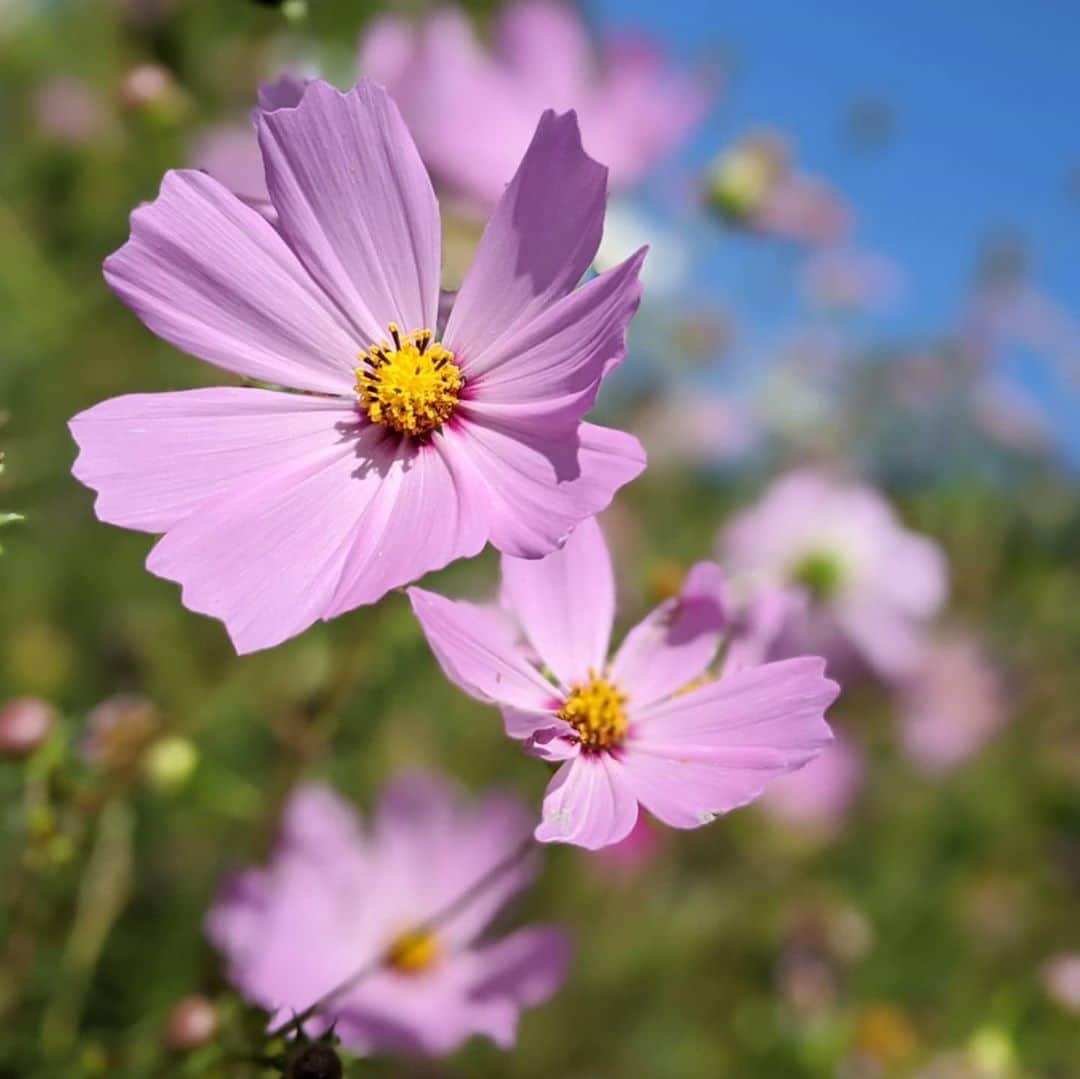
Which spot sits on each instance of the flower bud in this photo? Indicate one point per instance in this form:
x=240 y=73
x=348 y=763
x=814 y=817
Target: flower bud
x=25 y=724
x=315 y=1061
x=119 y=730
x=191 y=1023
x=170 y=762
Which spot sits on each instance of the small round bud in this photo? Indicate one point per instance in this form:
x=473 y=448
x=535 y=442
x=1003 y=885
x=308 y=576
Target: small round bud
x=315 y=1061
x=25 y=724
x=170 y=762
x=147 y=86
x=191 y=1023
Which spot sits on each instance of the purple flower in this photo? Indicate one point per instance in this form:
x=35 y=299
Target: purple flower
x=821 y=795
x=336 y=897
x=474 y=109
x=401 y=452
x=870 y=584
x=953 y=705
x=649 y=726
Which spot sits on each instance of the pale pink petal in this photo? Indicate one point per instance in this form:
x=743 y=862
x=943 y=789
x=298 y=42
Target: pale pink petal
x=212 y=277
x=566 y=603
x=892 y=644
x=539 y=489
x=712 y=750
x=355 y=203
x=589 y=802
x=475 y=655
x=548 y=371
x=540 y=240
x=676 y=643
x=527 y=967
x=266 y=558
x=387 y=53
x=429 y=512
x=544 y=43
x=154 y=458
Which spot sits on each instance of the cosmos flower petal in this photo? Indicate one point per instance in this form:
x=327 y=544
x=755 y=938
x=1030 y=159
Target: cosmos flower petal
x=565 y=603
x=540 y=240
x=154 y=458
x=429 y=512
x=386 y=52
x=540 y=488
x=354 y=201
x=676 y=642
x=209 y=275
x=429 y=845
x=284 y=92
x=544 y=43
x=562 y=353
x=527 y=966
x=476 y=656
x=717 y=748
x=229 y=557
x=589 y=803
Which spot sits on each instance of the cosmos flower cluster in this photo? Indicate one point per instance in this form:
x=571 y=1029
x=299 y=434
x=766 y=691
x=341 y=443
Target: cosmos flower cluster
x=370 y=439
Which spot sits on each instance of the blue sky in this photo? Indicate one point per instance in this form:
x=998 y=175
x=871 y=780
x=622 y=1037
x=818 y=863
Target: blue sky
x=984 y=97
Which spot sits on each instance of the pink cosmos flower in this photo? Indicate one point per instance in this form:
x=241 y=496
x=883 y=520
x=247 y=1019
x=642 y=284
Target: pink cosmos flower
x=400 y=452
x=335 y=898
x=870 y=584
x=953 y=705
x=822 y=794
x=474 y=109
x=647 y=726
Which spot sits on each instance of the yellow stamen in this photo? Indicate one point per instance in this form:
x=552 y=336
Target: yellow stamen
x=411 y=386
x=596 y=711
x=413 y=951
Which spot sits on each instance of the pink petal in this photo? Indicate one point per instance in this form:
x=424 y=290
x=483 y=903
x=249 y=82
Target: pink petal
x=387 y=51
x=527 y=966
x=475 y=655
x=266 y=558
x=544 y=43
x=710 y=751
x=429 y=513
x=566 y=603
x=589 y=802
x=549 y=370
x=540 y=240
x=212 y=277
x=539 y=489
x=676 y=642
x=154 y=458
x=355 y=203
x=284 y=92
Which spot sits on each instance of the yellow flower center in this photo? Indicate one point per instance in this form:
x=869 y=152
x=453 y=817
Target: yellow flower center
x=411 y=386
x=596 y=711
x=413 y=951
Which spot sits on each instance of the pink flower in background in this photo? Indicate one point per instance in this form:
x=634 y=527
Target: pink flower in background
x=400 y=452
x=649 y=725
x=26 y=724
x=851 y=281
x=631 y=855
x=953 y=706
x=67 y=110
x=1061 y=980
x=870 y=584
x=474 y=108
x=822 y=794
x=336 y=897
